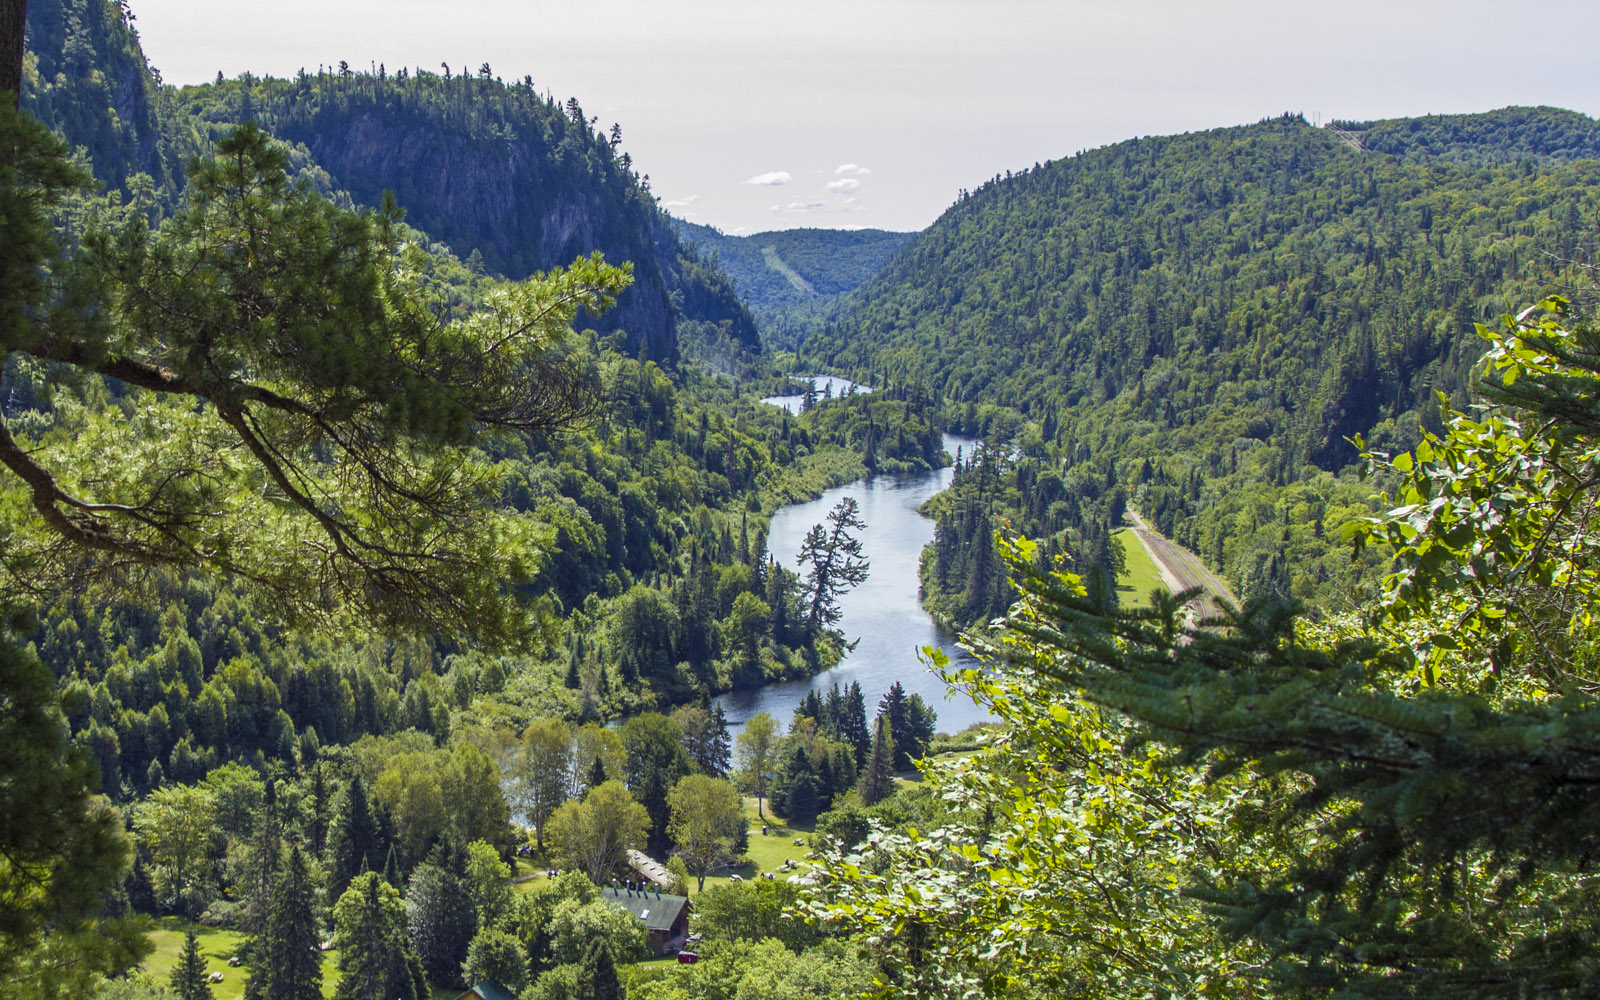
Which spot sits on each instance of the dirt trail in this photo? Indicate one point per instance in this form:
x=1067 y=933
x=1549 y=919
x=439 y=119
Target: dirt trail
x=1181 y=569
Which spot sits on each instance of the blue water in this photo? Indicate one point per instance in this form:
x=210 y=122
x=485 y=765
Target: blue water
x=884 y=613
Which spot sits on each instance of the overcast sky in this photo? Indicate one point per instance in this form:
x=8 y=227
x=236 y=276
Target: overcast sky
x=752 y=114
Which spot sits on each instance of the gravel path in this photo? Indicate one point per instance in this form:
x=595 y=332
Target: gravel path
x=1181 y=569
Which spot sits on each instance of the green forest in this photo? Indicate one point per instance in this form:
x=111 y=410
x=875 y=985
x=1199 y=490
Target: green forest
x=375 y=549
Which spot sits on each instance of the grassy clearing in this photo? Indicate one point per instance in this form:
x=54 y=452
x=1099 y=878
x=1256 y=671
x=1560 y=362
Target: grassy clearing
x=218 y=946
x=215 y=944
x=1139 y=574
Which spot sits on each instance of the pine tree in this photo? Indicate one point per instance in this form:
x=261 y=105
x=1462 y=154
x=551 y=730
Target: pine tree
x=720 y=752
x=189 y=975
x=264 y=859
x=288 y=963
x=893 y=708
x=440 y=917
x=375 y=958
x=853 y=722
x=354 y=843
x=836 y=563
x=877 y=774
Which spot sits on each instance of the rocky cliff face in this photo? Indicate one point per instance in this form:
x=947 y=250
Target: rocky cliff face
x=498 y=196
x=486 y=167
x=85 y=76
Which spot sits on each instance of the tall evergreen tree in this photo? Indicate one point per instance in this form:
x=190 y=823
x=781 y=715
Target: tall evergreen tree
x=877 y=774
x=354 y=842
x=189 y=975
x=264 y=859
x=836 y=564
x=288 y=962
x=601 y=975
x=720 y=751
x=440 y=918
x=375 y=958
x=853 y=722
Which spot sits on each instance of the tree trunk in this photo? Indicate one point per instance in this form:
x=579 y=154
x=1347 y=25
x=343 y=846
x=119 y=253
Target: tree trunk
x=13 y=22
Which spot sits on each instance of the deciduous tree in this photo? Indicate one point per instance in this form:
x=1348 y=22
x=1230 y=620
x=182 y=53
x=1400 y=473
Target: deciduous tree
x=707 y=818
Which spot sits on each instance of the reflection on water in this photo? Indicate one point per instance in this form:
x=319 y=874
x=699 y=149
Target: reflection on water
x=884 y=613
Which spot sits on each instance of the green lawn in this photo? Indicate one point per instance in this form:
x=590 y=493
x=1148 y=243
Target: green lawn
x=218 y=946
x=1139 y=574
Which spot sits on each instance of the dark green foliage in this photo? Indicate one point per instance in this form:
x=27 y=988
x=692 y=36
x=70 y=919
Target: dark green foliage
x=354 y=842
x=262 y=875
x=441 y=920
x=835 y=565
x=599 y=981
x=497 y=955
x=375 y=958
x=188 y=979
x=911 y=725
x=1493 y=137
x=536 y=186
x=89 y=82
x=877 y=774
x=797 y=788
x=287 y=955
x=1204 y=319
x=656 y=759
x=54 y=834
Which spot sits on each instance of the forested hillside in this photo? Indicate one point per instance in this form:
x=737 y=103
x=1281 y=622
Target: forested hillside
x=512 y=181
x=1204 y=319
x=791 y=278
x=1503 y=136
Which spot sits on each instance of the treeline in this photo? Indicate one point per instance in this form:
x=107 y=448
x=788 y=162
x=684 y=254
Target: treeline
x=1214 y=314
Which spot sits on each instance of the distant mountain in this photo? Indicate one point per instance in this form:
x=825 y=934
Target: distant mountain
x=511 y=180
x=790 y=277
x=1202 y=314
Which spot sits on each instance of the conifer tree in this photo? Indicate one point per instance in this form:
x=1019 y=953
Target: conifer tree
x=189 y=975
x=264 y=861
x=288 y=963
x=877 y=775
x=836 y=564
x=375 y=958
x=440 y=917
x=354 y=843
x=601 y=975
x=853 y=722
x=360 y=439
x=720 y=752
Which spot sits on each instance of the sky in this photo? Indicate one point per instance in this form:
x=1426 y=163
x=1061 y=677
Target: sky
x=753 y=115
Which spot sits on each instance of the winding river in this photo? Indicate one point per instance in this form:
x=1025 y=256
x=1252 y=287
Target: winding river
x=884 y=613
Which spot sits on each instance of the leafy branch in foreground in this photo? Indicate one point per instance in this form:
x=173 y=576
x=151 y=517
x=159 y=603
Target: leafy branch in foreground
x=1369 y=836
x=291 y=406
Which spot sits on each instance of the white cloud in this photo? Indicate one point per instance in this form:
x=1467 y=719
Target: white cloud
x=843 y=184
x=798 y=207
x=771 y=179
x=680 y=203
x=851 y=168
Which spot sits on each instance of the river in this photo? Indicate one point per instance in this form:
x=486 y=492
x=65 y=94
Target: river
x=884 y=613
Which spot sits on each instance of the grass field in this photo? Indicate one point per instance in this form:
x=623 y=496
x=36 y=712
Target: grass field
x=1139 y=574
x=220 y=945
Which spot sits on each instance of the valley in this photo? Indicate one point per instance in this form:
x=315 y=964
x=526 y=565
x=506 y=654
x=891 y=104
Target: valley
x=397 y=502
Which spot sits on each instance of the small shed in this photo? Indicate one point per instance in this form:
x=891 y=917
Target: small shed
x=665 y=917
x=487 y=990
